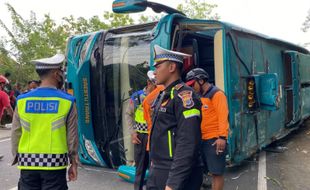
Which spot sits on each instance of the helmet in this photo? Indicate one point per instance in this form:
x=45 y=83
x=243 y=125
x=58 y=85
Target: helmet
x=151 y=76
x=197 y=73
x=3 y=79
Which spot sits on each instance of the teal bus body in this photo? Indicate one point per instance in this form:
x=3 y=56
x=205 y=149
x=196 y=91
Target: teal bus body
x=266 y=81
x=79 y=53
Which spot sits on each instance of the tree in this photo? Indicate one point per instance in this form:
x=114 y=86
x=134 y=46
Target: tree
x=31 y=38
x=81 y=25
x=27 y=40
x=195 y=9
x=306 y=26
x=198 y=9
x=146 y=19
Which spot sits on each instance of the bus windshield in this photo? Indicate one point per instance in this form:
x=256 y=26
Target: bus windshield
x=126 y=62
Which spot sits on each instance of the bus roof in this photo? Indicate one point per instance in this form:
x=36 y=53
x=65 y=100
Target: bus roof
x=275 y=40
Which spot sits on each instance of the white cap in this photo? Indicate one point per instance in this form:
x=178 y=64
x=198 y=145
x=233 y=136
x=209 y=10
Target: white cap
x=54 y=62
x=162 y=54
x=151 y=76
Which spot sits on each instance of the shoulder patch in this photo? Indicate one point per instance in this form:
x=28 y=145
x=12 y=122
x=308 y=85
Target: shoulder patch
x=178 y=86
x=187 y=98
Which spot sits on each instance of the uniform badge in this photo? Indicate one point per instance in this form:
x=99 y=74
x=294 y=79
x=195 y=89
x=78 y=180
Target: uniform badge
x=162 y=109
x=187 y=98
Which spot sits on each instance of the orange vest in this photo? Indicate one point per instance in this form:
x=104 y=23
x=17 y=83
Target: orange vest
x=214 y=113
x=147 y=110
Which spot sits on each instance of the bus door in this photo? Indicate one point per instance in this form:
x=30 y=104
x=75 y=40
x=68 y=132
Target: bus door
x=204 y=41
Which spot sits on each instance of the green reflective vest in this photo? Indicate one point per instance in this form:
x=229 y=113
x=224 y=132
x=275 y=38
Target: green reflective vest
x=139 y=117
x=43 y=143
x=141 y=125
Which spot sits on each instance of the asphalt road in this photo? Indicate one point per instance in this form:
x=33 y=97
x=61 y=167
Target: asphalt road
x=88 y=177
x=289 y=170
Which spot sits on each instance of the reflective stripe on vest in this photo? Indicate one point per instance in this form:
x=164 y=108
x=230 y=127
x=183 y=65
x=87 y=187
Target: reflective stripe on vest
x=140 y=125
x=42 y=160
x=43 y=143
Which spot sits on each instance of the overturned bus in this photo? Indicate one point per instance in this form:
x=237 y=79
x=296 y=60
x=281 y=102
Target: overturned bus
x=266 y=80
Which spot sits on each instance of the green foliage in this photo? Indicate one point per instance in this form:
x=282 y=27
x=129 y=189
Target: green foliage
x=117 y=20
x=32 y=38
x=195 y=9
x=306 y=27
x=198 y=9
x=306 y=24
x=146 y=19
x=81 y=25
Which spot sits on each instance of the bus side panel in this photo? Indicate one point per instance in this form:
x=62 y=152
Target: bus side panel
x=305 y=108
x=250 y=131
x=304 y=70
x=243 y=135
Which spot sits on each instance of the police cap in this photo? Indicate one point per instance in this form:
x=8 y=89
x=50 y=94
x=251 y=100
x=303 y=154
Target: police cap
x=54 y=62
x=161 y=55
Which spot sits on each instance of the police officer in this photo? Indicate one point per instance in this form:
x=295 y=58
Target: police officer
x=214 y=125
x=44 y=131
x=175 y=134
x=139 y=133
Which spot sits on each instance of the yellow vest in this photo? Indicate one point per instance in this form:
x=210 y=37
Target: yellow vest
x=43 y=143
x=139 y=117
x=141 y=125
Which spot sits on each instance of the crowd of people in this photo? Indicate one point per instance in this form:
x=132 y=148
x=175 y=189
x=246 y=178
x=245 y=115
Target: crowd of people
x=14 y=90
x=9 y=94
x=179 y=128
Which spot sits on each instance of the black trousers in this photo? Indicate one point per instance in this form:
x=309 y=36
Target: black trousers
x=141 y=160
x=43 y=180
x=158 y=178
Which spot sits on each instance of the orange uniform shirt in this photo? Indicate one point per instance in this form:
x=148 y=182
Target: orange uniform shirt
x=147 y=110
x=214 y=116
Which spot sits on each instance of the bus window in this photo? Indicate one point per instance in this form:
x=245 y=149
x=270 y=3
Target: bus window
x=204 y=42
x=126 y=62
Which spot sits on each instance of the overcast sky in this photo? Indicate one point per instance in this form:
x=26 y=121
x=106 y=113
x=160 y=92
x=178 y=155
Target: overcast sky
x=277 y=18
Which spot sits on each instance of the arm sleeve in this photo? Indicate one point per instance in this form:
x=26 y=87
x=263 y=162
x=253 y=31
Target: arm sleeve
x=16 y=133
x=219 y=102
x=72 y=134
x=129 y=116
x=188 y=137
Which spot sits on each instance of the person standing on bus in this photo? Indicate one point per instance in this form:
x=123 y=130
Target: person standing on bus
x=44 y=131
x=139 y=134
x=175 y=135
x=214 y=125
